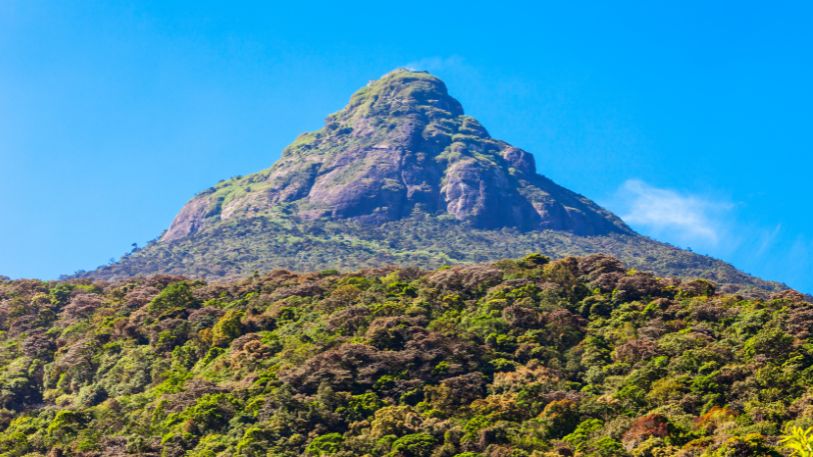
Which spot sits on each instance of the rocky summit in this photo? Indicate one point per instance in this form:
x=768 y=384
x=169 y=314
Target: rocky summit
x=401 y=144
x=401 y=175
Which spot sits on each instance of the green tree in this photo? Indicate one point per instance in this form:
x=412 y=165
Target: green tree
x=799 y=441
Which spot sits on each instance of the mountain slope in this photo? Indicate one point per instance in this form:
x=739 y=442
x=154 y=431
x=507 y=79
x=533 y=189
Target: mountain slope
x=400 y=175
x=522 y=358
x=242 y=247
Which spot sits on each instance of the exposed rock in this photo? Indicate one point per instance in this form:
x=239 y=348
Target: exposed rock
x=401 y=142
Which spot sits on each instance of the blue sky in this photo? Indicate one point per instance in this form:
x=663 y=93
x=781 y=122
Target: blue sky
x=692 y=120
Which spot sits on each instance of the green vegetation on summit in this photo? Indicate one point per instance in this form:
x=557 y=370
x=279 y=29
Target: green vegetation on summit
x=529 y=357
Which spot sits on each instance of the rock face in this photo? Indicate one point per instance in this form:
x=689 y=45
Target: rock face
x=401 y=144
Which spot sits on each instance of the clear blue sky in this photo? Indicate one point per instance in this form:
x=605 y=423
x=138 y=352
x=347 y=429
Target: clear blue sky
x=694 y=120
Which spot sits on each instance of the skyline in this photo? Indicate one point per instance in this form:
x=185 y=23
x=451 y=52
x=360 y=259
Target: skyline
x=703 y=144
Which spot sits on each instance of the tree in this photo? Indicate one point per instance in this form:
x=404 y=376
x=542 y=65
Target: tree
x=799 y=441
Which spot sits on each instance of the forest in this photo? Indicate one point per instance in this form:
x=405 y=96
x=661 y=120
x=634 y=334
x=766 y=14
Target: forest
x=529 y=357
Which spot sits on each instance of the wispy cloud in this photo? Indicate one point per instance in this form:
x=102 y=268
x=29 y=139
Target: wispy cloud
x=715 y=226
x=688 y=218
x=438 y=63
x=766 y=240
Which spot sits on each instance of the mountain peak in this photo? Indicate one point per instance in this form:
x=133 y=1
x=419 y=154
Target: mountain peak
x=401 y=144
x=404 y=90
x=396 y=107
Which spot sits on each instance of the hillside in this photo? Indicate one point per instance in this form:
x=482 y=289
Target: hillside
x=527 y=357
x=400 y=175
x=242 y=247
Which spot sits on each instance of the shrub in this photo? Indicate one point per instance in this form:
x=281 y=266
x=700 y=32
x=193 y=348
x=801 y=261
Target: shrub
x=176 y=297
x=799 y=441
x=415 y=445
x=328 y=444
x=227 y=328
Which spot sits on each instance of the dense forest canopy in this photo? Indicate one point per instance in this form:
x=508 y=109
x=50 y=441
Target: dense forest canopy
x=530 y=357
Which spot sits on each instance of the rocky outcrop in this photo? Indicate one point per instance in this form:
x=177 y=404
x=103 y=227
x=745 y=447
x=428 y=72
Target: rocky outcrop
x=401 y=144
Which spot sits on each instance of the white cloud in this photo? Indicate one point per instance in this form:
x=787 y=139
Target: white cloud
x=766 y=240
x=678 y=217
x=434 y=64
x=713 y=226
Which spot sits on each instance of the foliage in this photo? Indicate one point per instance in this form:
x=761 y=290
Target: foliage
x=800 y=441
x=279 y=241
x=527 y=358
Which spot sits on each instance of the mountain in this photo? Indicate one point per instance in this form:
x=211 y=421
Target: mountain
x=400 y=175
x=519 y=358
x=401 y=144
